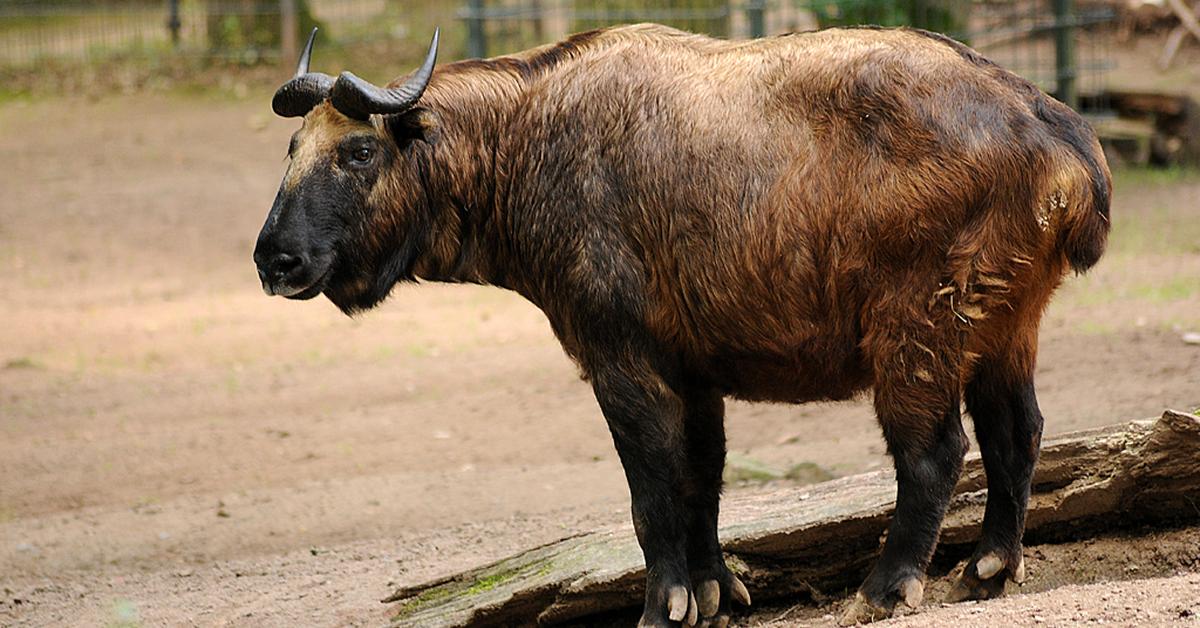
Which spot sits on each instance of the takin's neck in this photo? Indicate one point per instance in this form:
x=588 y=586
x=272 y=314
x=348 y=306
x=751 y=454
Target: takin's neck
x=472 y=104
x=475 y=104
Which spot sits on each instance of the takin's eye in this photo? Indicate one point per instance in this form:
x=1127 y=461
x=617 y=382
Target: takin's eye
x=357 y=152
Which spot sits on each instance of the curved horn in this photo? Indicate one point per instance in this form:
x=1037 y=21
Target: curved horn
x=306 y=90
x=358 y=99
x=306 y=56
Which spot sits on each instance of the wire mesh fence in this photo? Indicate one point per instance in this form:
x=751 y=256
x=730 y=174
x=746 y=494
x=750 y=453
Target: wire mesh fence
x=1061 y=47
x=242 y=30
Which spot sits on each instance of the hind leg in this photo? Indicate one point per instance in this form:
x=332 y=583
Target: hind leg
x=917 y=401
x=1008 y=426
x=714 y=585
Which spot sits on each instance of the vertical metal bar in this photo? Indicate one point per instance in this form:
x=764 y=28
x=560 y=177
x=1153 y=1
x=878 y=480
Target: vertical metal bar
x=476 y=36
x=539 y=17
x=1064 y=53
x=756 y=16
x=289 y=28
x=173 y=22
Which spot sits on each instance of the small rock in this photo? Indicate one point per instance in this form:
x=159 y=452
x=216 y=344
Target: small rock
x=1191 y=338
x=741 y=469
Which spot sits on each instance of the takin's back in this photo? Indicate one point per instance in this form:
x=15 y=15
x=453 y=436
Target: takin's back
x=775 y=193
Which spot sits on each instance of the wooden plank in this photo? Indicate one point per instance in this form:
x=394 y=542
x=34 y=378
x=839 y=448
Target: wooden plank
x=1174 y=40
x=1187 y=18
x=798 y=541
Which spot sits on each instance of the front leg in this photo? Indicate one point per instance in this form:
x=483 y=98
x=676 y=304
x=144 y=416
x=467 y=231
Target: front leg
x=714 y=585
x=645 y=416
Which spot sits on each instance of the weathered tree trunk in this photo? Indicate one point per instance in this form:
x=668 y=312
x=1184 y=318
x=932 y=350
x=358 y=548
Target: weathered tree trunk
x=823 y=537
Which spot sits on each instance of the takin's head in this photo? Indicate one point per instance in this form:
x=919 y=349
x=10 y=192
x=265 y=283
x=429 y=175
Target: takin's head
x=349 y=171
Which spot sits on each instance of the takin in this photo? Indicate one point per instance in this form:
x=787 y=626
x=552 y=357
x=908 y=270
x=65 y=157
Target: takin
x=797 y=218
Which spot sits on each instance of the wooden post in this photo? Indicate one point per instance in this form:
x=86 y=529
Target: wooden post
x=288 y=28
x=173 y=22
x=476 y=37
x=755 y=15
x=1064 y=53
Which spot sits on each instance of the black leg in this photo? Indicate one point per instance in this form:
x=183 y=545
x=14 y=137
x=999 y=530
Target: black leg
x=714 y=585
x=1008 y=425
x=928 y=463
x=917 y=402
x=646 y=418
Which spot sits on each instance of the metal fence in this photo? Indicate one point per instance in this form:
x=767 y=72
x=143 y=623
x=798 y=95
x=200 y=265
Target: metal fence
x=1053 y=43
x=32 y=32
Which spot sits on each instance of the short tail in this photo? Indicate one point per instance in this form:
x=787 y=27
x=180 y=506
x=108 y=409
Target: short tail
x=1083 y=231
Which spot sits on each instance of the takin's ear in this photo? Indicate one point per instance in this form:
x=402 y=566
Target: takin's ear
x=416 y=124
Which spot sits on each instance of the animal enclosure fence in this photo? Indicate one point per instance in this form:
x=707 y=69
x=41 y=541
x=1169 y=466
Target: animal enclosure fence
x=249 y=31
x=1054 y=43
x=1058 y=45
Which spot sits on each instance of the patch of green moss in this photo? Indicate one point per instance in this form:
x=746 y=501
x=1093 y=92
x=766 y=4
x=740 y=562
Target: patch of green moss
x=425 y=599
x=481 y=584
x=736 y=565
x=489 y=582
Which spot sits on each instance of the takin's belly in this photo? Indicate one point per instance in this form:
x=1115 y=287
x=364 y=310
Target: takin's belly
x=812 y=374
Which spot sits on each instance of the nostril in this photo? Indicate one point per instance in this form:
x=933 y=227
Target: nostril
x=284 y=265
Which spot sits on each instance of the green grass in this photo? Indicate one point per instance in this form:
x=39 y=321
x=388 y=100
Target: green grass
x=1157 y=230
x=1173 y=289
x=1085 y=291
x=1148 y=274
x=1146 y=223
x=1145 y=175
x=1095 y=328
x=23 y=363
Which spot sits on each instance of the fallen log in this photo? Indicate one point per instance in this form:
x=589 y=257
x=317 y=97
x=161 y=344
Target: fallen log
x=801 y=541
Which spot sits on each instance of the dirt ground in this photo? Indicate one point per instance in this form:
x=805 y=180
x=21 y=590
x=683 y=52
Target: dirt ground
x=178 y=449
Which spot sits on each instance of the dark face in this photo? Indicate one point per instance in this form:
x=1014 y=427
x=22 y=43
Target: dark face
x=323 y=221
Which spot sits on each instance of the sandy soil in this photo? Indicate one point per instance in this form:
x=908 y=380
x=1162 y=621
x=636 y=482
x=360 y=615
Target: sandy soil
x=178 y=449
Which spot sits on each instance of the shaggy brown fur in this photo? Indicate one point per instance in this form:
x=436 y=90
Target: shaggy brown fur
x=790 y=219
